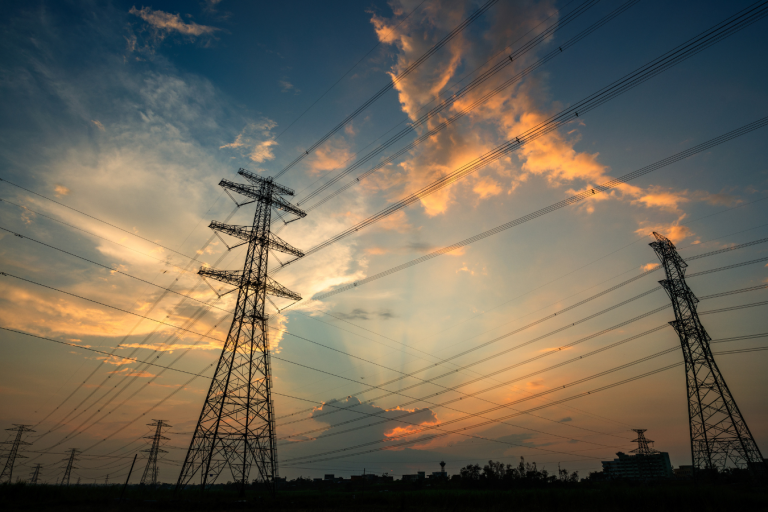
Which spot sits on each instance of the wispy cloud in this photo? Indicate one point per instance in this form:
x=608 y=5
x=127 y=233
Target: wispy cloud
x=287 y=86
x=256 y=141
x=165 y=22
x=362 y=314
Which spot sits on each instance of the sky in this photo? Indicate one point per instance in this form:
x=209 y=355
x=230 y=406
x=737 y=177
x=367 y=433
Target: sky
x=119 y=120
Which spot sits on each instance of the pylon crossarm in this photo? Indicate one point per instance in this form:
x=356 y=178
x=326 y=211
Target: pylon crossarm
x=279 y=202
x=241 y=232
x=253 y=192
x=278 y=290
x=258 y=180
x=233 y=277
x=278 y=244
x=256 y=193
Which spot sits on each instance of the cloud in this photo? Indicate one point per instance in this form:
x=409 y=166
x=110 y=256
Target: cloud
x=350 y=412
x=61 y=190
x=362 y=314
x=553 y=157
x=486 y=187
x=129 y=372
x=648 y=266
x=165 y=22
x=566 y=419
x=674 y=231
x=287 y=86
x=665 y=199
x=98 y=125
x=256 y=141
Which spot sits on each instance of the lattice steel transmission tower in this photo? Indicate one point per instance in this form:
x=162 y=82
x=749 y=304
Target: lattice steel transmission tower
x=719 y=434
x=14 y=454
x=150 y=471
x=36 y=474
x=236 y=429
x=70 y=466
x=643 y=444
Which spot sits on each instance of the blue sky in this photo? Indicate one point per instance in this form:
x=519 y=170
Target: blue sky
x=132 y=113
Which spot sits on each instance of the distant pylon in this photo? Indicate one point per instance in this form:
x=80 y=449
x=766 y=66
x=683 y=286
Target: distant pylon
x=150 y=471
x=236 y=429
x=719 y=434
x=643 y=444
x=69 y=467
x=36 y=474
x=14 y=454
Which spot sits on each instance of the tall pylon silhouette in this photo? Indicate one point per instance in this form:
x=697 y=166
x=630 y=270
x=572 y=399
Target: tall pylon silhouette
x=70 y=466
x=13 y=453
x=720 y=437
x=150 y=471
x=236 y=428
x=36 y=474
x=643 y=444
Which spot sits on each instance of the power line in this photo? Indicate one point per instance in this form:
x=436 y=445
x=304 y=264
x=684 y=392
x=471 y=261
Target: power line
x=107 y=305
x=673 y=57
x=111 y=269
x=96 y=219
x=720 y=252
x=451 y=87
x=156 y=302
x=556 y=206
x=391 y=84
x=461 y=93
x=576 y=305
x=461 y=431
x=96 y=351
x=496 y=386
x=80 y=429
x=165 y=262
x=347 y=72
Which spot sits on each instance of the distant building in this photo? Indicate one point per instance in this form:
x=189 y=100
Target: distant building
x=684 y=472
x=645 y=464
x=329 y=477
x=420 y=475
x=639 y=467
x=438 y=475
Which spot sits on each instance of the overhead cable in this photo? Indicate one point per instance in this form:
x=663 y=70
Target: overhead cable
x=391 y=84
x=556 y=206
x=682 y=52
x=460 y=94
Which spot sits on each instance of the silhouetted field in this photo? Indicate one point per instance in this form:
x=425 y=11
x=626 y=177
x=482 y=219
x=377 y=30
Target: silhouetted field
x=625 y=497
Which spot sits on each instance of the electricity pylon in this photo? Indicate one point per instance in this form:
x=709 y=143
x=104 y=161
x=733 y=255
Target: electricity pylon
x=236 y=429
x=14 y=454
x=70 y=466
x=643 y=444
x=36 y=474
x=719 y=434
x=150 y=471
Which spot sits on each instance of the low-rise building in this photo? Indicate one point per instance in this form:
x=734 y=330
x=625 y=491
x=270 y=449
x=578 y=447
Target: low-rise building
x=646 y=463
x=639 y=467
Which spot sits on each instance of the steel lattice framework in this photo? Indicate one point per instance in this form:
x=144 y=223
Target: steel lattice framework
x=720 y=437
x=70 y=466
x=643 y=444
x=150 y=471
x=14 y=454
x=36 y=474
x=236 y=429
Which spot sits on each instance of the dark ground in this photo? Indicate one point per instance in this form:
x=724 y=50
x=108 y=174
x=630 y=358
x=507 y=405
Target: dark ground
x=586 y=497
